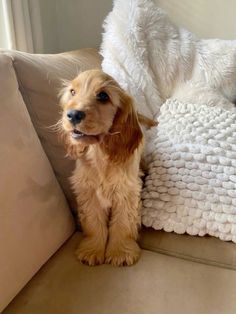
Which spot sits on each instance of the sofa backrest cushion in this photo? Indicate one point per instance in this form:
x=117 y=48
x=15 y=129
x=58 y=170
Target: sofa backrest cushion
x=40 y=79
x=34 y=216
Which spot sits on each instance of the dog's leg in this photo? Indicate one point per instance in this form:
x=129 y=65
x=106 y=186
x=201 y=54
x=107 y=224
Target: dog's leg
x=122 y=248
x=93 y=218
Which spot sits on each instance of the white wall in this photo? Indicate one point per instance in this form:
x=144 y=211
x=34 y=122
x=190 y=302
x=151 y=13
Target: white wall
x=206 y=18
x=72 y=24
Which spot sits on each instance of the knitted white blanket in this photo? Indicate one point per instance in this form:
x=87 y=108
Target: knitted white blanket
x=191 y=185
x=191 y=182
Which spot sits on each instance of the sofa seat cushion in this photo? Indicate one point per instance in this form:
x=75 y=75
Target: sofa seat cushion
x=156 y=284
x=34 y=216
x=206 y=250
x=40 y=79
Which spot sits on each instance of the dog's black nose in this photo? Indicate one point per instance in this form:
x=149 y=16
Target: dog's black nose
x=75 y=116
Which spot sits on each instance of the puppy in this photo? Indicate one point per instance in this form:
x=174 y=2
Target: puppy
x=103 y=134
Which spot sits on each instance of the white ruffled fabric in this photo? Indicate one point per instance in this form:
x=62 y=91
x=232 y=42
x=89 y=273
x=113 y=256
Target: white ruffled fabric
x=153 y=59
x=191 y=181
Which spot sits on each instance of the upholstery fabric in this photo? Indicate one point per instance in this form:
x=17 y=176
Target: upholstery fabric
x=40 y=79
x=34 y=216
x=206 y=250
x=156 y=284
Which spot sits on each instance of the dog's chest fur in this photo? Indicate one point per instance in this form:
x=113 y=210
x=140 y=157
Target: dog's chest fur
x=95 y=172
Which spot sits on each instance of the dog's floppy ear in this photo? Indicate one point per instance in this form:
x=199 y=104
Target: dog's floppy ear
x=125 y=134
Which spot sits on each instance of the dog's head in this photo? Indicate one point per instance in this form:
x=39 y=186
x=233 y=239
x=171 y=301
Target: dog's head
x=96 y=110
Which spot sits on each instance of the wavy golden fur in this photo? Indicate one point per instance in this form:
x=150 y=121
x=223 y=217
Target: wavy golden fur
x=107 y=144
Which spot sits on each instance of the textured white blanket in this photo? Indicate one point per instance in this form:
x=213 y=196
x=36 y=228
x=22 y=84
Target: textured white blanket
x=191 y=184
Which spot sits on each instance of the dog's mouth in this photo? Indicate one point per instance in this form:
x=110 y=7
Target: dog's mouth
x=77 y=134
x=80 y=136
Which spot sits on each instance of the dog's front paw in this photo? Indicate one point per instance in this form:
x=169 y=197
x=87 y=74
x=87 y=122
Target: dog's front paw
x=90 y=253
x=126 y=254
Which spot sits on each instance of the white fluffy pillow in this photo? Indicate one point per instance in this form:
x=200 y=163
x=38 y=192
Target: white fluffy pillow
x=191 y=181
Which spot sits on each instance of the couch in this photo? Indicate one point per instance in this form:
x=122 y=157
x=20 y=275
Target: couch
x=38 y=236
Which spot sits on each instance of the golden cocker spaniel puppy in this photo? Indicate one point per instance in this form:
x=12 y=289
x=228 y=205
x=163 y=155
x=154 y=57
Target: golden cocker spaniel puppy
x=103 y=134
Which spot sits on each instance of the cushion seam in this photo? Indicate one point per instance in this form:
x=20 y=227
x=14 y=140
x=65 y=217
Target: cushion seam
x=208 y=262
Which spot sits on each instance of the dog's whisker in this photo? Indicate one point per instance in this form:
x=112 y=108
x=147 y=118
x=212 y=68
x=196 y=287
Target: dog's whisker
x=57 y=127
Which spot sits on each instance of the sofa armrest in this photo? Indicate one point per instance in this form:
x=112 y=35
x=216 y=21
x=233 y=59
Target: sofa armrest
x=34 y=216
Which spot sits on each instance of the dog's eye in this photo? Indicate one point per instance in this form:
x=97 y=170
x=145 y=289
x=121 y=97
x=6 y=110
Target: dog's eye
x=102 y=97
x=72 y=91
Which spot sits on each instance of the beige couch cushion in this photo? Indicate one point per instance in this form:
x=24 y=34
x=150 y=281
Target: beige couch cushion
x=206 y=250
x=34 y=216
x=40 y=79
x=156 y=284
